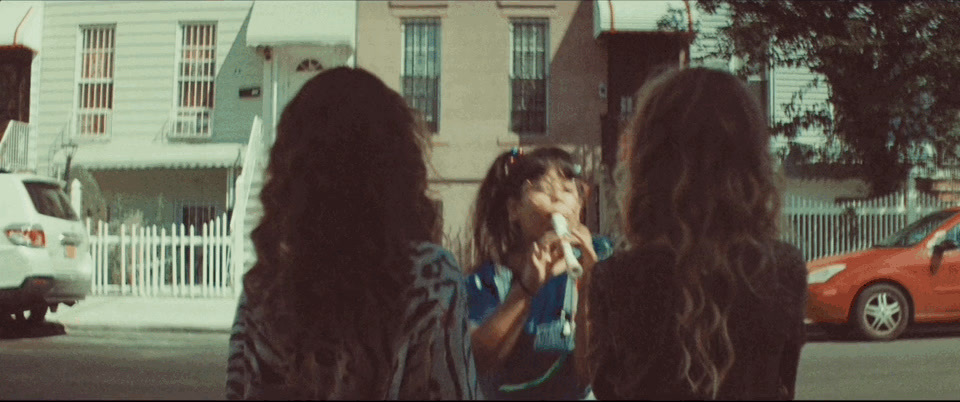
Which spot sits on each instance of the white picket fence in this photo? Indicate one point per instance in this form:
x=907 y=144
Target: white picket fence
x=154 y=261
x=179 y=262
x=823 y=229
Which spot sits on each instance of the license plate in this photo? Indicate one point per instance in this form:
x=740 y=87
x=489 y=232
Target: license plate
x=71 y=251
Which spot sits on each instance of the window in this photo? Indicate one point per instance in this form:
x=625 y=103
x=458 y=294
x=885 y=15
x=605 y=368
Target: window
x=759 y=86
x=421 y=68
x=309 y=65
x=195 y=80
x=528 y=76
x=95 y=82
x=627 y=107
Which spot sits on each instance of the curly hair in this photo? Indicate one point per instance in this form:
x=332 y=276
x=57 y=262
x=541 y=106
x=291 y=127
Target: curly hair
x=700 y=185
x=343 y=203
x=493 y=234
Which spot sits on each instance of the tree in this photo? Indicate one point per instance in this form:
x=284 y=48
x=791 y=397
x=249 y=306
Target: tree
x=892 y=68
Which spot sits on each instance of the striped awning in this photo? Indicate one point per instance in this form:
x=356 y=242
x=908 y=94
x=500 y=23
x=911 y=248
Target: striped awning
x=611 y=16
x=128 y=156
x=302 y=22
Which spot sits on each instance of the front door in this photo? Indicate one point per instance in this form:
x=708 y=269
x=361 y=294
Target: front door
x=296 y=65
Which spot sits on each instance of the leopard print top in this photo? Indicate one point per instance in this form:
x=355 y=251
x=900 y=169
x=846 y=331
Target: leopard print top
x=433 y=361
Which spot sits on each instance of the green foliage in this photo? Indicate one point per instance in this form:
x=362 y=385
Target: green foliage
x=891 y=66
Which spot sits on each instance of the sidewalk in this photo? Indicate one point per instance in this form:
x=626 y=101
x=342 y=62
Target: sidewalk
x=135 y=313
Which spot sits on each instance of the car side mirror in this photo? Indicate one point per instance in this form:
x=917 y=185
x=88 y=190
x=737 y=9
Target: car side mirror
x=945 y=245
x=937 y=256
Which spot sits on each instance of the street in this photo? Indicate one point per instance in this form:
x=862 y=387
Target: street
x=168 y=365
x=923 y=364
x=114 y=365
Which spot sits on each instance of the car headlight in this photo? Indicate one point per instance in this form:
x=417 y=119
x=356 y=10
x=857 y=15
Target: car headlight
x=824 y=274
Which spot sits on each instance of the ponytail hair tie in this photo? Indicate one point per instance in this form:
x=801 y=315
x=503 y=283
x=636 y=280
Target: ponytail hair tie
x=515 y=153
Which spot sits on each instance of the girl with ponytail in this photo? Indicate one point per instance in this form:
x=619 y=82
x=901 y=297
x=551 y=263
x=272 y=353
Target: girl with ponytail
x=521 y=299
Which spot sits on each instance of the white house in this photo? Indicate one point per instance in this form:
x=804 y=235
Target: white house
x=151 y=103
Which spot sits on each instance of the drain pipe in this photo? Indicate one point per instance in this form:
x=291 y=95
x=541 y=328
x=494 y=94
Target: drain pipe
x=16 y=34
x=613 y=29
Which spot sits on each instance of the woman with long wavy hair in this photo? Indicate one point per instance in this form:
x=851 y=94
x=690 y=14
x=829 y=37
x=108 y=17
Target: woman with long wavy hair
x=350 y=297
x=704 y=302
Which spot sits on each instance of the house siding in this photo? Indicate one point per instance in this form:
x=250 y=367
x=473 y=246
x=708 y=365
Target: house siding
x=789 y=80
x=144 y=72
x=784 y=82
x=706 y=41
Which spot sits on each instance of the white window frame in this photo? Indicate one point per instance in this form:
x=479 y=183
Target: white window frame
x=98 y=101
x=422 y=51
x=545 y=51
x=200 y=86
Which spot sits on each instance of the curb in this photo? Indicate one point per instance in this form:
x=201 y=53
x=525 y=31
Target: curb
x=143 y=328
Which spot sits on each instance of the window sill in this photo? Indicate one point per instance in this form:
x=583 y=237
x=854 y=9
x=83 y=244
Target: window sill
x=92 y=139
x=526 y=4
x=418 y=3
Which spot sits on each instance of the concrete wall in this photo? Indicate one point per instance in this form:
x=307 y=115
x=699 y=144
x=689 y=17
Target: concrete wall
x=475 y=84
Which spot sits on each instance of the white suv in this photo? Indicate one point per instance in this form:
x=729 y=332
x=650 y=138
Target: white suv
x=44 y=249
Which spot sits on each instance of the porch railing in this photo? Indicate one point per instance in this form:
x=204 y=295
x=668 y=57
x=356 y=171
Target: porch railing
x=246 y=204
x=15 y=146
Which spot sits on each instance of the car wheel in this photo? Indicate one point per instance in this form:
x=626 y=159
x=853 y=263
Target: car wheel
x=37 y=315
x=882 y=313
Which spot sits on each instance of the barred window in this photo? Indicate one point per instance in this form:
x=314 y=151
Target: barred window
x=95 y=83
x=195 y=79
x=528 y=76
x=421 y=68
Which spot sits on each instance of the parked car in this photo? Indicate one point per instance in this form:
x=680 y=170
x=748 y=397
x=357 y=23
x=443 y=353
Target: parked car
x=44 y=249
x=911 y=277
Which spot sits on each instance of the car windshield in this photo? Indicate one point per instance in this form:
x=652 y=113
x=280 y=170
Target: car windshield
x=917 y=231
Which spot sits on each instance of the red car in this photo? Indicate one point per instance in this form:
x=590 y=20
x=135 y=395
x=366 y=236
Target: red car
x=911 y=277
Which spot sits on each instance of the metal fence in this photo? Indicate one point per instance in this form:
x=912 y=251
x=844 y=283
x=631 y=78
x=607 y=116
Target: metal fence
x=822 y=229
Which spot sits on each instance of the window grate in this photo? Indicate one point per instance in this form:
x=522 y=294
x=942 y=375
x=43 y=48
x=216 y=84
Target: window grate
x=196 y=75
x=95 y=83
x=421 y=68
x=528 y=76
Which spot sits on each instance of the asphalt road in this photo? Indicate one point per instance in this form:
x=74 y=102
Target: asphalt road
x=112 y=365
x=923 y=364
x=53 y=364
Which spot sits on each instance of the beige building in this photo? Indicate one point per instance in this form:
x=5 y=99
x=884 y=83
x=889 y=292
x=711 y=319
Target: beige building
x=490 y=76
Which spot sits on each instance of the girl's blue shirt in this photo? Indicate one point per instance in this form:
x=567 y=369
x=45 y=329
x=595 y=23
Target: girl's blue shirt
x=486 y=289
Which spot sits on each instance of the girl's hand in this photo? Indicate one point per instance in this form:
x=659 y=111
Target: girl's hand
x=583 y=239
x=544 y=262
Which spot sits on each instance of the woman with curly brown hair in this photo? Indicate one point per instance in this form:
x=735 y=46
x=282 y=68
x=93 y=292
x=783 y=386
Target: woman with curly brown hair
x=350 y=297
x=705 y=302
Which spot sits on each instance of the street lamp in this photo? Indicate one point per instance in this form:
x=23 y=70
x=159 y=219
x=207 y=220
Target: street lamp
x=71 y=148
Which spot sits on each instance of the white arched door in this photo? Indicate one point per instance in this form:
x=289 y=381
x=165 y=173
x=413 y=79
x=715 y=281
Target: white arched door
x=296 y=66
